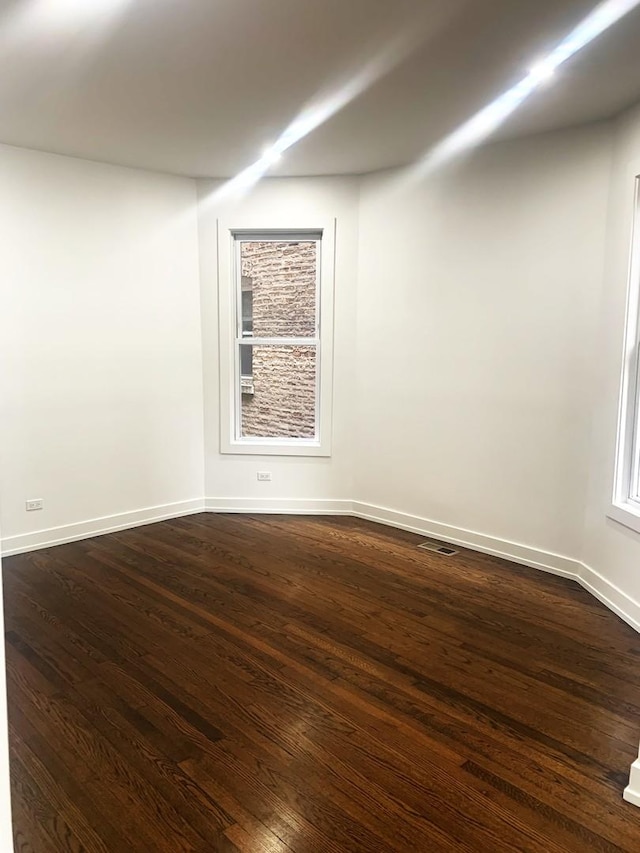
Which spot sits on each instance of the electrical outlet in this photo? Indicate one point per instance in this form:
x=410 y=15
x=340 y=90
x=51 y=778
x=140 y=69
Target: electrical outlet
x=264 y=476
x=33 y=504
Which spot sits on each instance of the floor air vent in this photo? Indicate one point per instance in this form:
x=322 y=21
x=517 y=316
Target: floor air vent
x=437 y=548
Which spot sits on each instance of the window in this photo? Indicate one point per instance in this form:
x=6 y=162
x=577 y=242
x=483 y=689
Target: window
x=626 y=494
x=276 y=336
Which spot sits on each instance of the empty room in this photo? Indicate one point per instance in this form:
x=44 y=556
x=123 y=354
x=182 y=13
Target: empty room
x=320 y=426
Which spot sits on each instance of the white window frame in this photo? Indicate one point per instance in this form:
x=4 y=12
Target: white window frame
x=230 y=330
x=625 y=504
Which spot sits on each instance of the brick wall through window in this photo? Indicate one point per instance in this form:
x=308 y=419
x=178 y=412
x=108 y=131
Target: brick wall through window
x=282 y=278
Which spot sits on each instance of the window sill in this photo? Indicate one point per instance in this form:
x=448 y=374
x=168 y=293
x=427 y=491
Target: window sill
x=275 y=447
x=626 y=513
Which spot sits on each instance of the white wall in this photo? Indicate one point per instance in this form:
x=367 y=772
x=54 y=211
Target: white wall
x=610 y=548
x=477 y=301
x=101 y=354
x=231 y=480
x=476 y=293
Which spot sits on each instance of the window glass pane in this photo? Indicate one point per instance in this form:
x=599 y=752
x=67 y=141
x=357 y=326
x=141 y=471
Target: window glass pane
x=634 y=472
x=281 y=278
x=247 y=307
x=246 y=361
x=283 y=399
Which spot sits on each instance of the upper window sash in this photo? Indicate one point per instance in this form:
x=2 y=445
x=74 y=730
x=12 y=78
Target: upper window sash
x=244 y=236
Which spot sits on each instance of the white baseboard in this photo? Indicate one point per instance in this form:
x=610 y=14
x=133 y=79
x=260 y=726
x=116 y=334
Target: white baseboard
x=547 y=561
x=283 y=506
x=611 y=596
x=39 y=539
x=632 y=791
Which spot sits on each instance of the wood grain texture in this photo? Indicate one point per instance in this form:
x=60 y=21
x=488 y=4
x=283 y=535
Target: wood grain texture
x=238 y=683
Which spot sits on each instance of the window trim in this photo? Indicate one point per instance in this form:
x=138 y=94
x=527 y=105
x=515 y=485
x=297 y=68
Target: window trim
x=625 y=502
x=229 y=353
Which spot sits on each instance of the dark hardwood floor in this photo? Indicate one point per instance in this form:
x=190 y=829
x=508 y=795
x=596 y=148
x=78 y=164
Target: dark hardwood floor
x=266 y=684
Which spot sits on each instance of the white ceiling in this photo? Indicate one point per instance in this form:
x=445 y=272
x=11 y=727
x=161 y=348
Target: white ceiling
x=200 y=87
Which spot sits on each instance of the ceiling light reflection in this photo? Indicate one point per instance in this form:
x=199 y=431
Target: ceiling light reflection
x=314 y=115
x=326 y=105
x=42 y=17
x=484 y=123
x=272 y=154
x=542 y=71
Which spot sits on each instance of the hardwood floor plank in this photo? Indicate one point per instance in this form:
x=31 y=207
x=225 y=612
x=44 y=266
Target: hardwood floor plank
x=128 y=731
x=237 y=684
x=563 y=825
x=32 y=811
x=75 y=815
x=247 y=830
